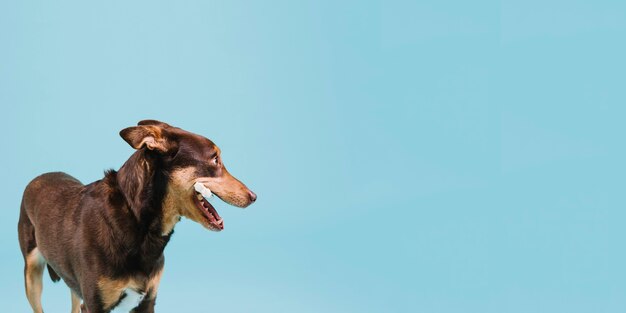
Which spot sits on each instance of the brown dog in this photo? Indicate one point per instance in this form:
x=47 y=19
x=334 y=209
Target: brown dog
x=106 y=239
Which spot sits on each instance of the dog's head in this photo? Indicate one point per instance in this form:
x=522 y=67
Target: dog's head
x=188 y=159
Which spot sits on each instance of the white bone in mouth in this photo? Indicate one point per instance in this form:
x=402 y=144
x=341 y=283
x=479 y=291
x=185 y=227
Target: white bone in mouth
x=204 y=191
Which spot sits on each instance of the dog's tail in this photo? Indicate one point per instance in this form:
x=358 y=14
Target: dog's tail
x=53 y=275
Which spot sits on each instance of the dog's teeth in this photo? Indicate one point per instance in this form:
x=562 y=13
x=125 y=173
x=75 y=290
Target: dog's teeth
x=220 y=221
x=199 y=196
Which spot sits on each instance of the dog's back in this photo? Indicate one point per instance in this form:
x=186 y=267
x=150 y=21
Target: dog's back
x=46 y=193
x=45 y=197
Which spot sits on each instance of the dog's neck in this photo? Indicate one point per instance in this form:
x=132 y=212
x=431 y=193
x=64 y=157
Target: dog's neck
x=143 y=182
x=136 y=179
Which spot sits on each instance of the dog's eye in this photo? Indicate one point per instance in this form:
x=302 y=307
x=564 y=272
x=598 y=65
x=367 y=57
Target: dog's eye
x=215 y=160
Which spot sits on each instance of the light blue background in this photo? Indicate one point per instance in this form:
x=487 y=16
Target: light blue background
x=424 y=156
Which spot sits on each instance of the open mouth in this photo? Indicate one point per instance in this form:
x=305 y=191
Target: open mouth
x=208 y=211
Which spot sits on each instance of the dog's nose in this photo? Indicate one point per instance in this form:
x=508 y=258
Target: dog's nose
x=252 y=196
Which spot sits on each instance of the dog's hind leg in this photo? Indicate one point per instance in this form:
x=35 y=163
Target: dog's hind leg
x=33 y=276
x=34 y=261
x=75 y=303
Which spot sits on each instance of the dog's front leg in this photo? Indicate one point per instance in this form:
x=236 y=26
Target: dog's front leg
x=93 y=301
x=147 y=304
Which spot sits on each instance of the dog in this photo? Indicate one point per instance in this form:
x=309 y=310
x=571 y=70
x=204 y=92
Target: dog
x=106 y=239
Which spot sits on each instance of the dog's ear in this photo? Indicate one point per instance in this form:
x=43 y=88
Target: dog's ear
x=154 y=122
x=151 y=136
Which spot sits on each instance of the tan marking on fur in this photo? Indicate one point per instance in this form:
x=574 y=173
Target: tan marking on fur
x=152 y=286
x=228 y=188
x=35 y=265
x=112 y=289
x=179 y=200
x=184 y=178
x=75 y=302
x=171 y=211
